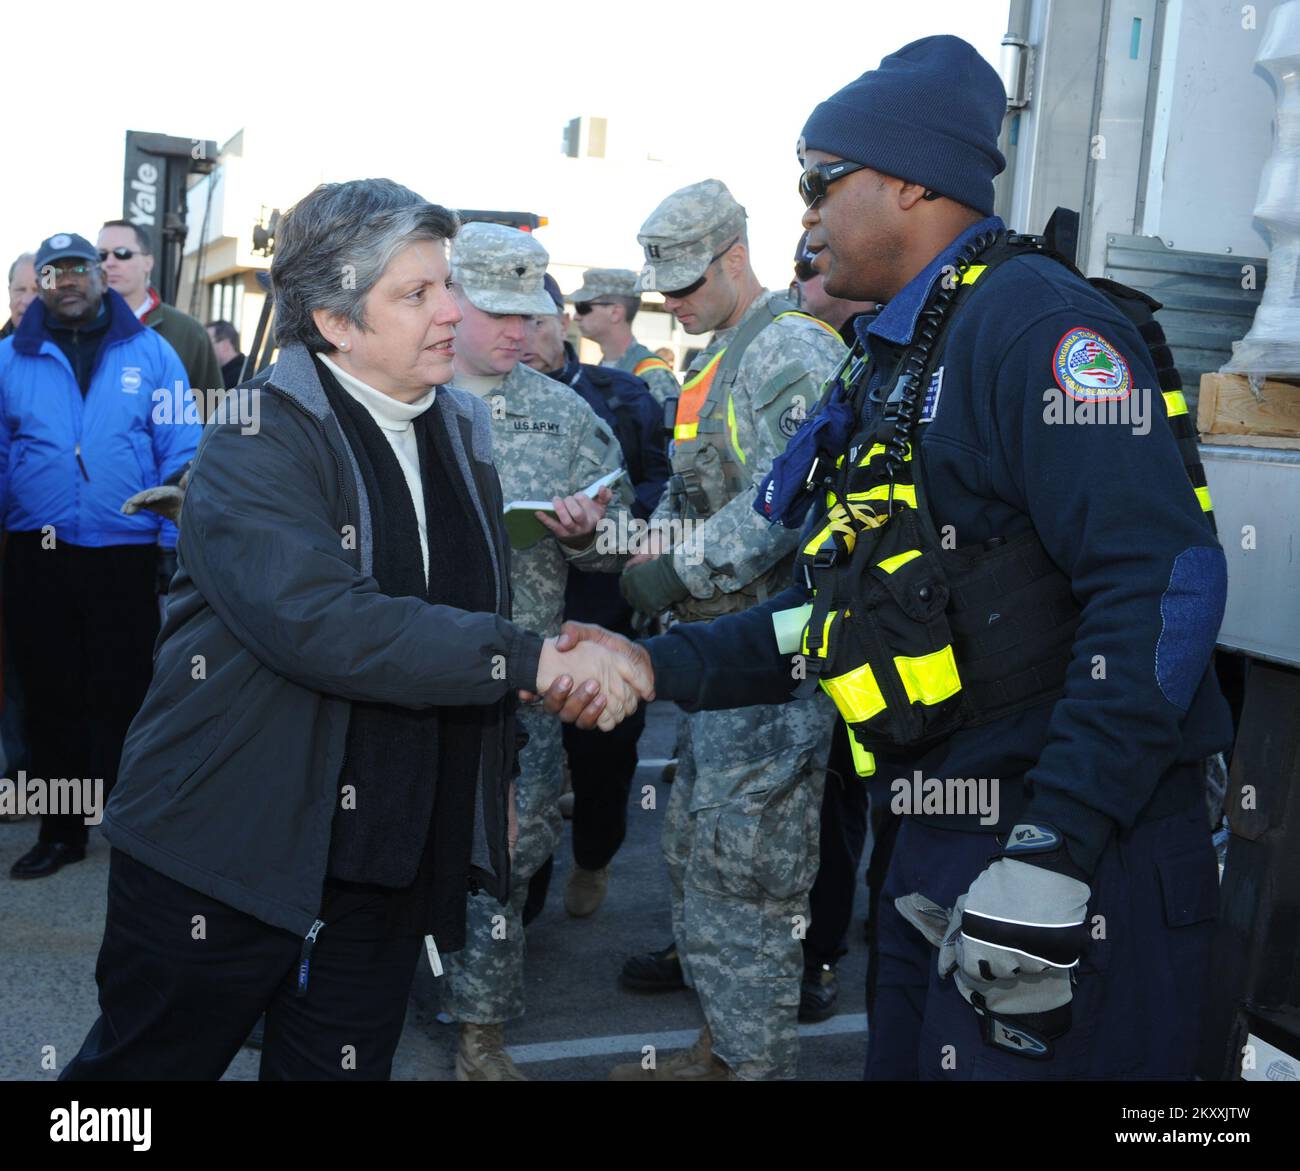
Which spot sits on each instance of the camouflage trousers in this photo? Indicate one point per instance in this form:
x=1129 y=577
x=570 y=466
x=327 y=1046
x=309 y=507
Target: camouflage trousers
x=484 y=982
x=741 y=840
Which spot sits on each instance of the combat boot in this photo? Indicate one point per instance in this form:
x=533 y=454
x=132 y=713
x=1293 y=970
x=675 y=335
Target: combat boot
x=585 y=891
x=482 y=1056
x=696 y=1064
x=657 y=971
x=818 y=992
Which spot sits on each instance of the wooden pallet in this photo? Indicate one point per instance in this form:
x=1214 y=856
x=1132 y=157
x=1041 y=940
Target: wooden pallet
x=1230 y=412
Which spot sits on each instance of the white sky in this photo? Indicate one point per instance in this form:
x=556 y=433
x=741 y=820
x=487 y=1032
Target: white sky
x=463 y=102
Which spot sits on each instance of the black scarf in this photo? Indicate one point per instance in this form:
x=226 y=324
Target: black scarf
x=413 y=772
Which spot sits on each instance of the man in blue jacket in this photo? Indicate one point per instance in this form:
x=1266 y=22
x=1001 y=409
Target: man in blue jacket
x=94 y=408
x=1070 y=886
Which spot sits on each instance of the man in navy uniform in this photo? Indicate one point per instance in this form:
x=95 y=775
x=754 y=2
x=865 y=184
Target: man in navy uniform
x=1074 y=918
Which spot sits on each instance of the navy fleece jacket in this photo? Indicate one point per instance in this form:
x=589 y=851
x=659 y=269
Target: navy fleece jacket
x=1033 y=347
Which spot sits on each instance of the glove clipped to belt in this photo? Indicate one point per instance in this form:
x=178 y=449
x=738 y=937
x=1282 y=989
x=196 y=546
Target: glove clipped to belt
x=653 y=586
x=1012 y=941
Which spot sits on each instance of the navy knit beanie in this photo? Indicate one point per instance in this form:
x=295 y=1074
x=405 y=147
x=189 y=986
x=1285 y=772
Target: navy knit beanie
x=929 y=114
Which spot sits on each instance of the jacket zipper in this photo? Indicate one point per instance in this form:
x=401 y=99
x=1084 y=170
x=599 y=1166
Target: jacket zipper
x=80 y=463
x=304 y=958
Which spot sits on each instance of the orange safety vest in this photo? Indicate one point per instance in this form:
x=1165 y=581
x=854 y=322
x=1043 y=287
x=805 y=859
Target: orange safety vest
x=696 y=391
x=651 y=364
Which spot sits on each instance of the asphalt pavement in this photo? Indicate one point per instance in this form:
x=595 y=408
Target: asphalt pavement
x=579 y=1022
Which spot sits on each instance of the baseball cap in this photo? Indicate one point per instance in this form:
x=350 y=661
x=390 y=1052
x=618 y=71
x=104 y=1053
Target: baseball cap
x=685 y=232
x=607 y=282
x=501 y=269
x=552 y=287
x=63 y=245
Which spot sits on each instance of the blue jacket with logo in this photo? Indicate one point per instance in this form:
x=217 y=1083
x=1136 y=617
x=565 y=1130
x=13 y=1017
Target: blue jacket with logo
x=131 y=430
x=1005 y=449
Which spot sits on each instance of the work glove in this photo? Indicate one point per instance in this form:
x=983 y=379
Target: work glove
x=653 y=586
x=1012 y=941
x=165 y=500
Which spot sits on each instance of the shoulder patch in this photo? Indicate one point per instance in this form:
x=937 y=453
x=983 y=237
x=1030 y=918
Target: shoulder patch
x=792 y=418
x=1088 y=368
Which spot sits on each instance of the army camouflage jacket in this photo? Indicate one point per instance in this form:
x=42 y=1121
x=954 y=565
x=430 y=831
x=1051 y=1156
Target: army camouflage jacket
x=662 y=383
x=779 y=382
x=546 y=442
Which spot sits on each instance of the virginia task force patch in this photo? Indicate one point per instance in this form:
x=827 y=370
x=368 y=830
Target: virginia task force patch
x=792 y=418
x=1088 y=368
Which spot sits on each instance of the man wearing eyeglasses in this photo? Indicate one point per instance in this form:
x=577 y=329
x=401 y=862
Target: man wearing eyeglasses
x=741 y=828
x=126 y=252
x=78 y=436
x=606 y=305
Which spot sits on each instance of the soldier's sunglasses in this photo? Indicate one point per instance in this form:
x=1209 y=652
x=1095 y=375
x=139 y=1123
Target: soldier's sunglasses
x=696 y=286
x=121 y=252
x=814 y=181
x=582 y=308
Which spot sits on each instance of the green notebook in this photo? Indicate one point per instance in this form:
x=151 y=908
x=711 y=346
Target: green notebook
x=525 y=530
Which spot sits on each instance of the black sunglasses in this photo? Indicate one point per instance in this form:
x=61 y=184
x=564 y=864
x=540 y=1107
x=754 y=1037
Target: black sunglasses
x=120 y=252
x=582 y=308
x=814 y=181
x=695 y=286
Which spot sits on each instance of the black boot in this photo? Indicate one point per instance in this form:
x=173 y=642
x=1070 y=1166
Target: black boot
x=818 y=993
x=45 y=858
x=658 y=971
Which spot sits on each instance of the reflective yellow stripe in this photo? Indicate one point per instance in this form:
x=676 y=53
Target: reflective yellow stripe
x=731 y=428
x=1175 y=404
x=650 y=364
x=864 y=764
x=972 y=274
x=826 y=636
x=874 y=450
x=929 y=678
x=685 y=430
x=830 y=329
x=1203 y=495
x=904 y=492
x=856 y=694
x=889 y=564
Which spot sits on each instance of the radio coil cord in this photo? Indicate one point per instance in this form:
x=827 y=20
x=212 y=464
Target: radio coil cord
x=929 y=326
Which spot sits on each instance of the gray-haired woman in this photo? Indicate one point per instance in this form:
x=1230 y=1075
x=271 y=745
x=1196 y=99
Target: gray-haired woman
x=320 y=770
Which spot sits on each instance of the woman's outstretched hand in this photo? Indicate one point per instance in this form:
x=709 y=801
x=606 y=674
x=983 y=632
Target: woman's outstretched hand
x=591 y=677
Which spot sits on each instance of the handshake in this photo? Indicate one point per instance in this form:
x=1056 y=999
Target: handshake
x=591 y=677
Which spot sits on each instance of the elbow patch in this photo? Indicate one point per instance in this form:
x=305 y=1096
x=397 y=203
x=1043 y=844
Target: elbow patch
x=1191 y=610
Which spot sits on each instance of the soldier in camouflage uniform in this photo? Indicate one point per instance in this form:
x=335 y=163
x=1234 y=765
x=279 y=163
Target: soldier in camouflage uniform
x=606 y=304
x=547 y=442
x=741 y=829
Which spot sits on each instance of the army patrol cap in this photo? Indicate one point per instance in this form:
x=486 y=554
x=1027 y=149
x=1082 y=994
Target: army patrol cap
x=607 y=282
x=501 y=270
x=686 y=232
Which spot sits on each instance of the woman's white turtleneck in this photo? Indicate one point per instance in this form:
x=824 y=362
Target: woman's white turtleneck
x=394 y=419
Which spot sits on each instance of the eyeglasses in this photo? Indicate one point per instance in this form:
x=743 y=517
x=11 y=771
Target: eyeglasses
x=814 y=181
x=120 y=252
x=696 y=286
x=73 y=270
x=582 y=308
